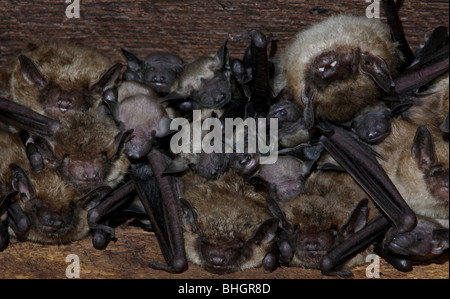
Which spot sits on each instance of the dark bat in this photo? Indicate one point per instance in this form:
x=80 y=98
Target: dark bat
x=157 y=70
x=227 y=226
x=160 y=198
x=287 y=176
x=340 y=73
x=292 y=125
x=425 y=242
x=137 y=107
x=372 y=125
x=86 y=148
x=61 y=77
x=204 y=83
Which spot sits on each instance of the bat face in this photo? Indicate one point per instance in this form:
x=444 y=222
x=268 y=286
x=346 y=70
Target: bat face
x=344 y=58
x=61 y=78
x=427 y=240
x=214 y=93
x=373 y=126
x=89 y=147
x=314 y=225
x=223 y=240
x=52 y=207
x=158 y=70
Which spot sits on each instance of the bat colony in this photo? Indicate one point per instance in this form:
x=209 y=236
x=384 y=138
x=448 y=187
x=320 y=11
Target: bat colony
x=363 y=164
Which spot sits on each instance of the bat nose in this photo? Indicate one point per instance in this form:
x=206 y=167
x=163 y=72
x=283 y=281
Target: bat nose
x=52 y=220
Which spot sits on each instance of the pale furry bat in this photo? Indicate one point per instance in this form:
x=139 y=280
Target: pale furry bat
x=342 y=65
x=61 y=77
x=41 y=207
x=137 y=107
x=204 y=83
x=227 y=226
x=157 y=70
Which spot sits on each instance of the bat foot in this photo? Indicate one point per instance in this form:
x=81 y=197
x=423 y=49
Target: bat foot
x=328 y=266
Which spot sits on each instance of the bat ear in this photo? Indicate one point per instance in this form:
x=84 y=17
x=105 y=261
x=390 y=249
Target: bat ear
x=377 y=69
x=357 y=220
x=118 y=144
x=266 y=232
x=31 y=72
x=423 y=151
x=133 y=62
x=107 y=79
x=440 y=238
x=278 y=213
x=223 y=57
x=189 y=216
x=21 y=182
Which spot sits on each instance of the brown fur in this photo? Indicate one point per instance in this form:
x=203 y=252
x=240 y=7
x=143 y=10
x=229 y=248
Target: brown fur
x=341 y=100
x=88 y=136
x=329 y=200
x=66 y=63
x=404 y=172
x=431 y=110
x=229 y=211
x=51 y=190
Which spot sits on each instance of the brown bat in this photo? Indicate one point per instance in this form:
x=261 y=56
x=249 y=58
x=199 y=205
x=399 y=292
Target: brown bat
x=342 y=65
x=137 y=107
x=417 y=163
x=87 y=148
x=330 y=210
x=61 y=77
x=157 y=70
x=41 y=207
x=204 y=83
x=227 y=226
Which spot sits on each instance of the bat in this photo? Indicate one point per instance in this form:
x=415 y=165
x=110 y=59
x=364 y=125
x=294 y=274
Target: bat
x=87 y=149
x=331 y=209
x=292 y=128
x=227 y=226
x=158 y=70
x=137 y=107
x=59 y=78
x=287 y=176
x=352 y=69
x=425 y=242
x=41 y=207
x=204 y=83
x=373 y=124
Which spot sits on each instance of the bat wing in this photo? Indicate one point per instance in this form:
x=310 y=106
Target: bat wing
x=17 y=115
x=158 y=196
x=361 y=164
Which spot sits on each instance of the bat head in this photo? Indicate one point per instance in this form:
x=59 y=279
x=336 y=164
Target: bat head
x=55 y=211
x=312 y=228
x=227 y=228
x=63 y=78
x=157 y=70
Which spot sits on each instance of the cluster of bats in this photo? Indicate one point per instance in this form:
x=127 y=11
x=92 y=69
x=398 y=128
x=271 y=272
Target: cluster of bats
x=363 y=167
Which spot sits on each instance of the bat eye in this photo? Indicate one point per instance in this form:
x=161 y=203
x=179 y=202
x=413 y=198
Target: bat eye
x=419 y=238
x=434 y=172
